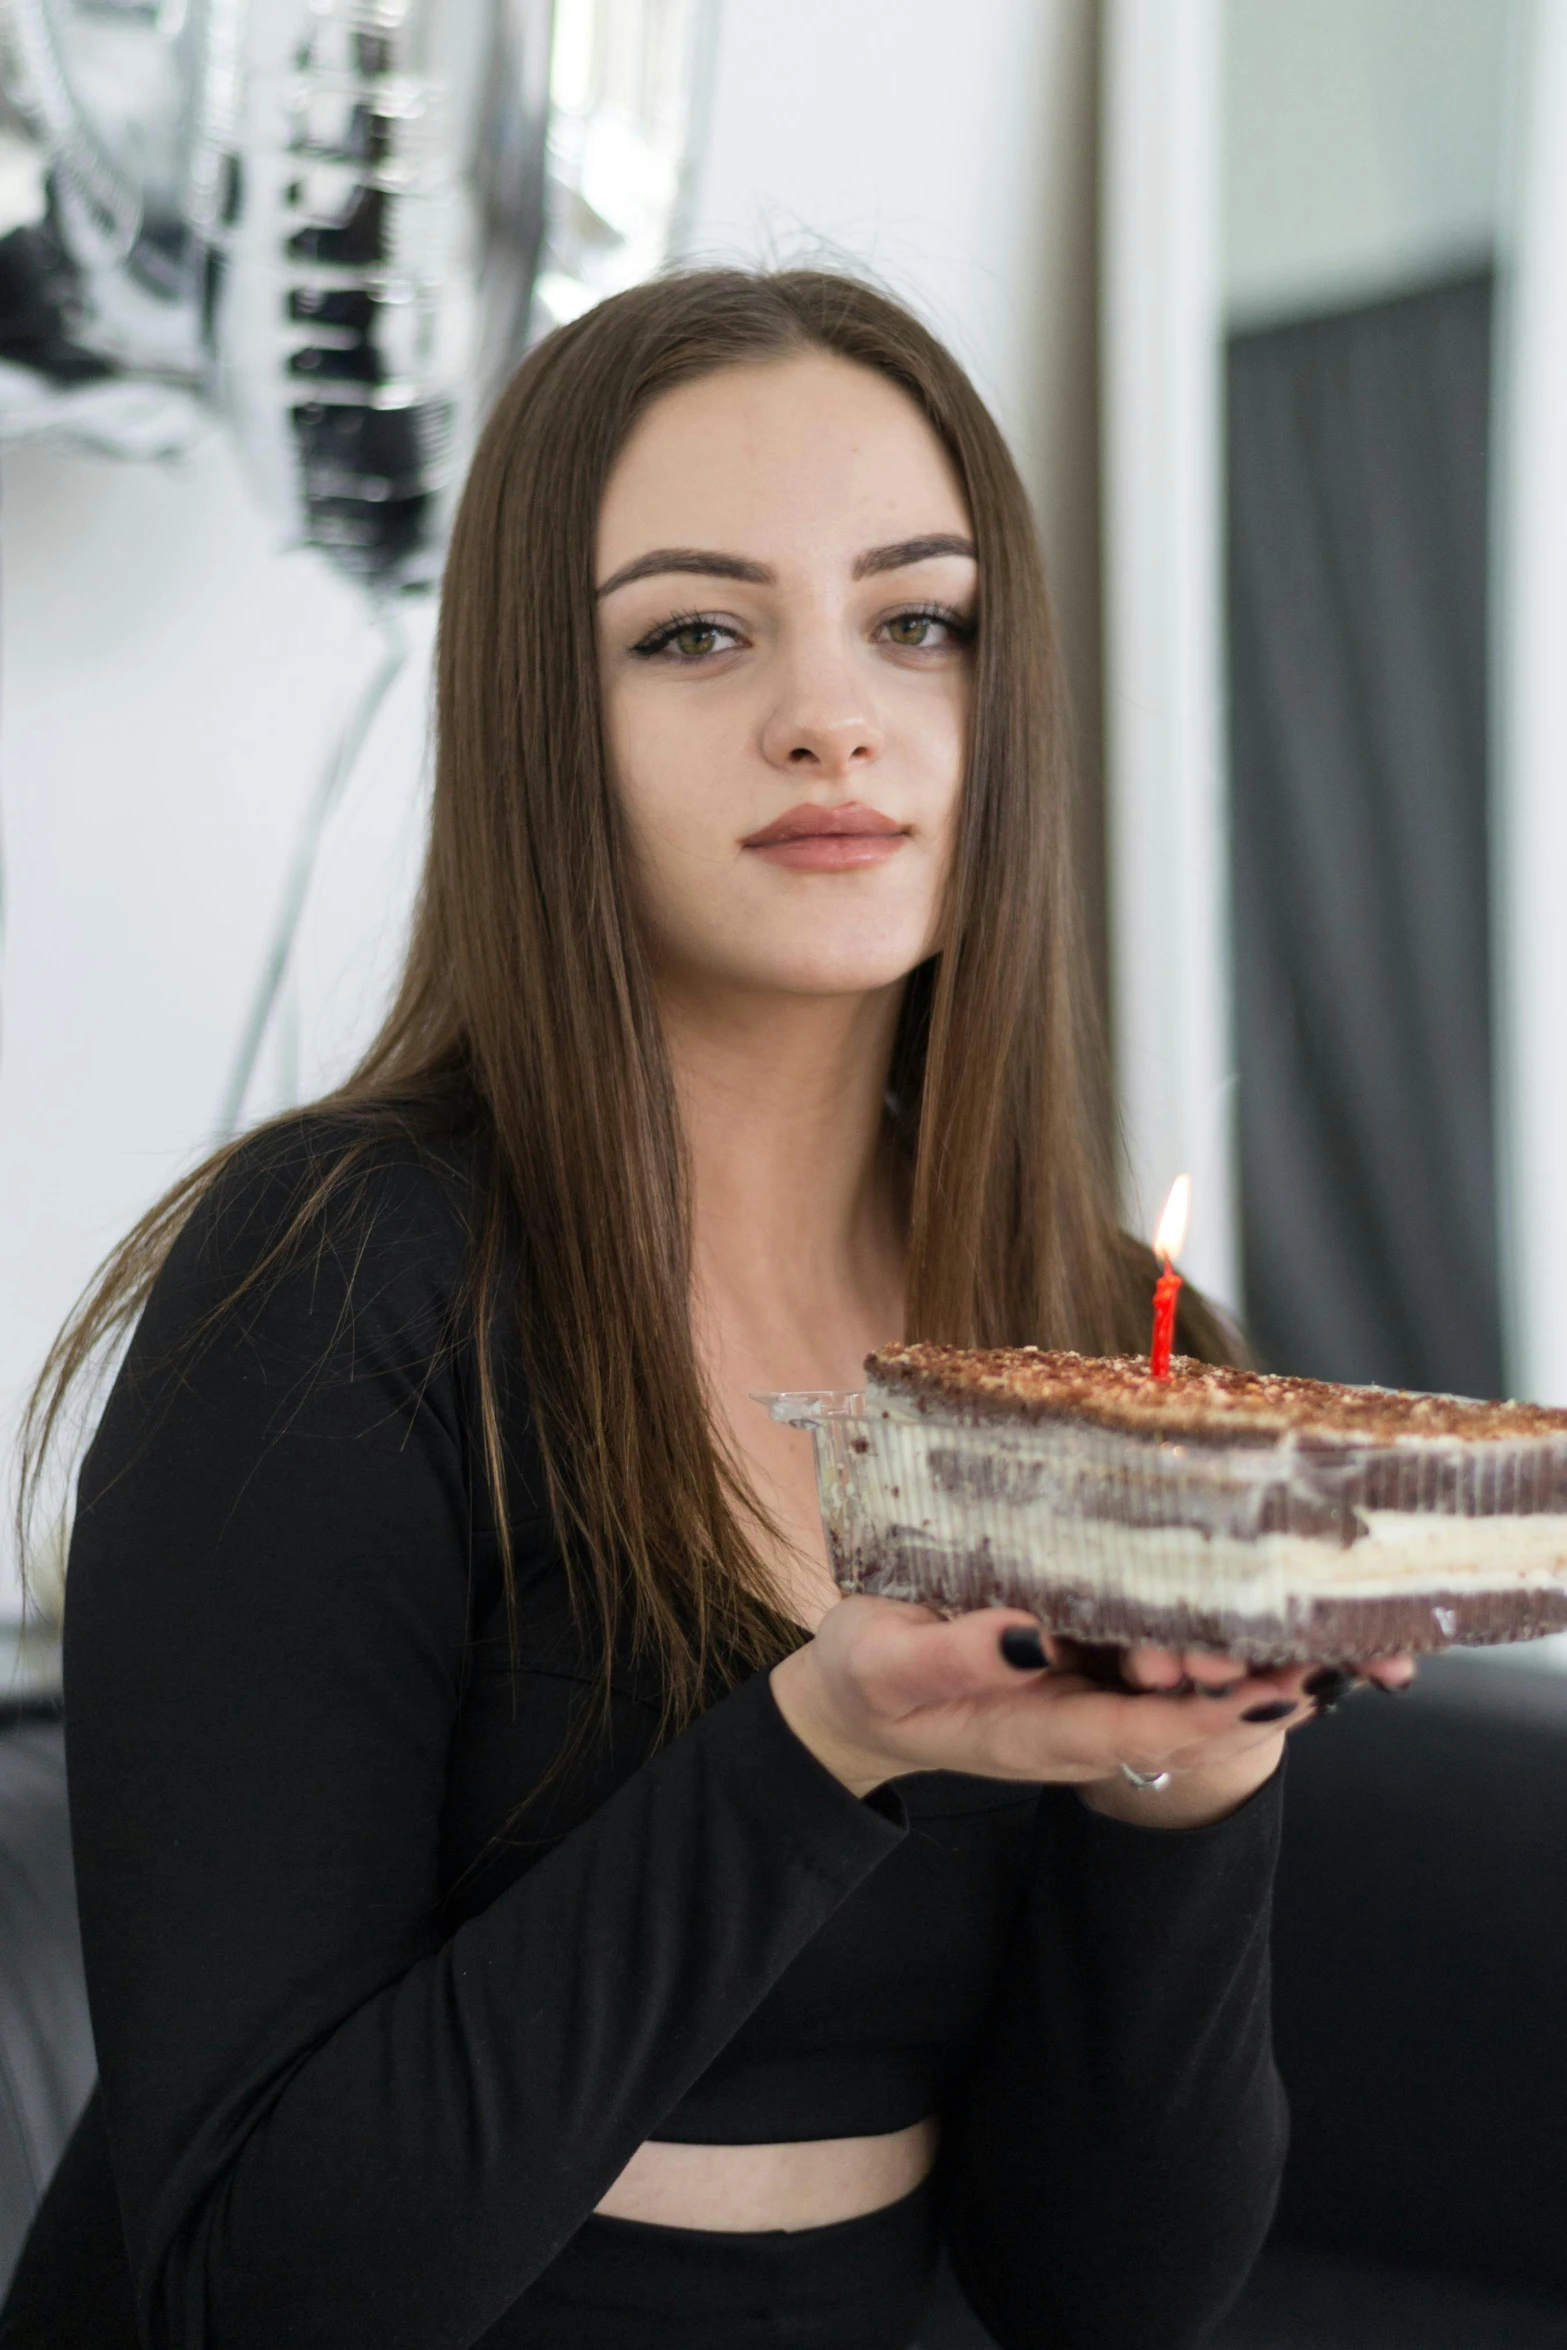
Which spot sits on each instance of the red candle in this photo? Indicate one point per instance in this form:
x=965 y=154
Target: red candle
x=1168 y=1241
x=1165 y=1292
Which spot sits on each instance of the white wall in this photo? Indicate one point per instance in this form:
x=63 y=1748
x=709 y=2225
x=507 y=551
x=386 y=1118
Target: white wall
x=167 y=682
x=169 y=678
x=1363 y=145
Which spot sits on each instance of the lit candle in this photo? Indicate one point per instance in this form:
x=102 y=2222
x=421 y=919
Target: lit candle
x=1168 y=1240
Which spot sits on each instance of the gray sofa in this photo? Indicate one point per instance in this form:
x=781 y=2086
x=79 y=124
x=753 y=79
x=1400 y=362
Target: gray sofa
x=46 y=2052
x=1421 y=1979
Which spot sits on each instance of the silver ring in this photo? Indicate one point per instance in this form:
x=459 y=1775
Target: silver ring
x=1146 y=1782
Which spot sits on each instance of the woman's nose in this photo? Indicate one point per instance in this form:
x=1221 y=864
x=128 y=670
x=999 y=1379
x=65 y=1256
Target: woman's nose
x=822 y=723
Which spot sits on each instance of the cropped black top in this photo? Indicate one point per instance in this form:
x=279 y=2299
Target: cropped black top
x=372 y=2045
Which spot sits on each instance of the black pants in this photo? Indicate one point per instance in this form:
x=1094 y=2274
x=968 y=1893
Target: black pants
x=622 y=2284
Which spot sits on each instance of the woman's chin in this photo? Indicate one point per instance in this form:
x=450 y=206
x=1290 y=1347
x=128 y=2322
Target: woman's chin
x=849 y=953
x=795 y=976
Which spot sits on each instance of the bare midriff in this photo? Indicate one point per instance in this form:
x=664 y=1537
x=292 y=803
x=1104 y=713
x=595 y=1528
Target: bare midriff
x=810 y=2183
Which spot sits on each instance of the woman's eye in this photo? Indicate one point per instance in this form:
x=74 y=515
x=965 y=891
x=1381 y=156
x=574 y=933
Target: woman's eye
x=922 y=632
x=687 y=640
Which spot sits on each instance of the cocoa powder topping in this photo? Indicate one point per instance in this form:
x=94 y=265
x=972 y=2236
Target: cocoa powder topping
x=1201 y=1403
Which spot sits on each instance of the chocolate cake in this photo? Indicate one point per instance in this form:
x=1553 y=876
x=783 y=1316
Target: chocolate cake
x=1277 y=1518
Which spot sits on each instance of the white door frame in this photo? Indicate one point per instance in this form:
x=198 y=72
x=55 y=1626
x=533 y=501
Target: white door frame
x=1529 y=800
x=1166 y=794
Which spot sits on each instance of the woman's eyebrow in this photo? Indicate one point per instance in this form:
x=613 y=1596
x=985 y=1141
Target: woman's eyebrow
x=704 y=560
x=906 y=551
x=710 y=563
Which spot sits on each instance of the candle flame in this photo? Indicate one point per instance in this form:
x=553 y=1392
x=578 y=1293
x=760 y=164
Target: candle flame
x=1170 y=1234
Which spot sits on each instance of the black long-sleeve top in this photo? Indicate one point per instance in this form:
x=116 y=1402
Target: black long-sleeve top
x=366 y=2064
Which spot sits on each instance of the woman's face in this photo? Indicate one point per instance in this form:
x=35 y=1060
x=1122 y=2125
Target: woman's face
x=786 y=597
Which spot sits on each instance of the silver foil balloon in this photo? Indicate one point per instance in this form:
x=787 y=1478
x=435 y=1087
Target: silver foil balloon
x=374 y=213
x=108 y=84
x=630 y=83
x=345 y=219
x=99 y=317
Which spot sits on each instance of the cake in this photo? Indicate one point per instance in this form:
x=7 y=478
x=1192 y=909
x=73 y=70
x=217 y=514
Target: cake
x=1280 y=1519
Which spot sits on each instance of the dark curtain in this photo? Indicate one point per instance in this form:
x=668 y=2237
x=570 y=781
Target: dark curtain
x=1357 y=455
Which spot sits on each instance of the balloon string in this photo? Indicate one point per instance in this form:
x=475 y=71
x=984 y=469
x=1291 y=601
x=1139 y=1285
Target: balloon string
x=339 y=767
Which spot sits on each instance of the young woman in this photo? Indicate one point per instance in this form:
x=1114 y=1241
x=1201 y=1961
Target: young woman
x=521 y=1904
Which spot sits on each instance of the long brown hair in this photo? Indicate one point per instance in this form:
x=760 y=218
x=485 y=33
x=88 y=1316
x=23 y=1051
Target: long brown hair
x=526 y=1017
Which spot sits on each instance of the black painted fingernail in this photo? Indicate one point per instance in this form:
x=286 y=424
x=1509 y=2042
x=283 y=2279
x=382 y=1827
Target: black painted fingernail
x=1218 y=1689
x=1274 y=1711
x=1328 y=1684
x=1022 y=1646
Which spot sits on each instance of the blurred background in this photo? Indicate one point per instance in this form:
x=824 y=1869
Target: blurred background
x=1270 y=297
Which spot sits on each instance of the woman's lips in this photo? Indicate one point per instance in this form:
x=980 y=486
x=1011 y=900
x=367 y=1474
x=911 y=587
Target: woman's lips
x=829 y=852
x=827 y=840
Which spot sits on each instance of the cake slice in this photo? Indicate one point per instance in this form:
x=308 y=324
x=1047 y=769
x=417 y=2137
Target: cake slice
x=1278 y=1518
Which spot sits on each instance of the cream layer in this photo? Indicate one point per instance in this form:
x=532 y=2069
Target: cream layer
x=889 y=1488
x=1401 y=1552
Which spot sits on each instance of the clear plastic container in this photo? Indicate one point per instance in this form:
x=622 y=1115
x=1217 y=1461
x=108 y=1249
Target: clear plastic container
x=1276 y=1550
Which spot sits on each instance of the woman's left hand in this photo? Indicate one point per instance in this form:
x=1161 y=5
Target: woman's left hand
x=1205 y=1790
x=888 y=1686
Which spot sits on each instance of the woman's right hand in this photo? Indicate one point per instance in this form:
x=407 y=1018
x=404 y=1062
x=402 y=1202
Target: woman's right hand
x=887 y=1687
